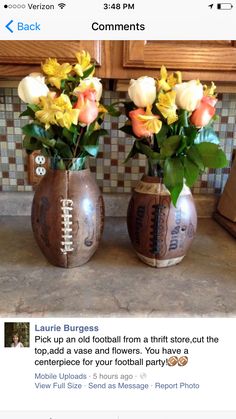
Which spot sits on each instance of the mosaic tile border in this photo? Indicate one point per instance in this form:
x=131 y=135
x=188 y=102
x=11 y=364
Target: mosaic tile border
x=111 y=174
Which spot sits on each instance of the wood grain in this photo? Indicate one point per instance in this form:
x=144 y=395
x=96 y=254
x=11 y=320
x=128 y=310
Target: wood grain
x=206 y=60
x=34 y=52
x=147 y=59
x=184 y=55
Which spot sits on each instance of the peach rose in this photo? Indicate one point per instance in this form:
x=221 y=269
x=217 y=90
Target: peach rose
x=203 y=114
x=144 y=124
x=87 y=106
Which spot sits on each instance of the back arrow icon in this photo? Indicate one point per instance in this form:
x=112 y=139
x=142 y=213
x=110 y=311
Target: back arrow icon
x=8 y=26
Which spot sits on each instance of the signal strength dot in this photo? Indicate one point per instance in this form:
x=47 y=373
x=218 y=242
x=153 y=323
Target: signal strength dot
x=61 y=5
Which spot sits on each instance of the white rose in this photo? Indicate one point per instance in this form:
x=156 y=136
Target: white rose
x=188 y=95
x=142 y=91
x=92 y=82
x=32 y=87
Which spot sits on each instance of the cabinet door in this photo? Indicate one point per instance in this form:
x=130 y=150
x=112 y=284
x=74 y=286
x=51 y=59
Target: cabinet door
x=18 y=58
x=181 y=55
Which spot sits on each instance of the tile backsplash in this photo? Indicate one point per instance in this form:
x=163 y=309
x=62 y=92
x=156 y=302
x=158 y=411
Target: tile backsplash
x=112 y=175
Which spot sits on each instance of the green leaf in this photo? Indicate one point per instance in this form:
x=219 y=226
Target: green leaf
x=92 y=150
x=92 y=137
x=132 y=152
x=30 y=111
x=34 y=107
x=70 y=134
x=63 y=84
x=113 y=111
x=34 y=130
x=183 y=118
x=58 y=163
x=162 y=135
x=27 y=112
x=71 y=78
x=63 y=149
x=174 y=177
x=127 y=129
x=191 y=171
x=170 y=146
x=146 y=149
x=53 y=131
x=84 y=134
x=88 y=72
x=194 y=155
x=215 y=118
x=91 y=144
x=191 y=133
x=89 y=130
x=31 y=144
x=212 y=156
x=183 y=145
x=46 y=152
x=48 y=143
x=207 y=135
x=100 y=132
x=129 y=106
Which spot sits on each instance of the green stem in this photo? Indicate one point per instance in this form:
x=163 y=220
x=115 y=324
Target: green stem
x=154 y=169
x=78 y=140
x=155 y=144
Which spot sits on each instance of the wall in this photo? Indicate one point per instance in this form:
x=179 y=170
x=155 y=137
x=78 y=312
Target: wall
x=112 y=175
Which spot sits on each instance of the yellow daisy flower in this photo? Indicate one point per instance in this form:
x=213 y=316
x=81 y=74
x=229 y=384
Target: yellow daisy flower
x=57 y=111
x=162 y=83
x=167 y=82
x=56 y=72
x=84 y=63
x=210 y=91
x=174 y=78
x=166 y=105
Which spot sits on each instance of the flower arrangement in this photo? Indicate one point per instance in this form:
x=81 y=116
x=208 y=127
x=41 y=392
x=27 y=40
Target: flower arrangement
x=172 y=125
x=63 y=103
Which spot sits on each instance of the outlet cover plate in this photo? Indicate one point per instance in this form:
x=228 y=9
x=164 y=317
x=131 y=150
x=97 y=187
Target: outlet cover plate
x=33 y=177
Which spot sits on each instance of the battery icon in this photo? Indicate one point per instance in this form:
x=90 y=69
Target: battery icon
x=224 y=6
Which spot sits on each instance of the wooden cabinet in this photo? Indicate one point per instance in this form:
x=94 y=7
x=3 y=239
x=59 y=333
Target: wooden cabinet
x=19 y=58
x=184 y=55
x=206 y=60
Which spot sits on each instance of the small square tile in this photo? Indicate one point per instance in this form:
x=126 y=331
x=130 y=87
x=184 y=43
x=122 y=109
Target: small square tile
x=111 y=172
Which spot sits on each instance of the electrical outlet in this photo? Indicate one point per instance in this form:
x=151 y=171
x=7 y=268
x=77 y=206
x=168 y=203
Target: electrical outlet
x=37 y=167
x=40 y=171
x=40 y=160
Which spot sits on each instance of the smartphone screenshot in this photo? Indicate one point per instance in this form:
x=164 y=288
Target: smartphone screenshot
x=117 y=209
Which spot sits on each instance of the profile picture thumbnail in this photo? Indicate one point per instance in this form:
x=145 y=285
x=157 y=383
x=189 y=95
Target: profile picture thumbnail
x=17 y=335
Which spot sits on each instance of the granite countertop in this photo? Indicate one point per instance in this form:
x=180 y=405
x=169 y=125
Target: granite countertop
x=115 y=282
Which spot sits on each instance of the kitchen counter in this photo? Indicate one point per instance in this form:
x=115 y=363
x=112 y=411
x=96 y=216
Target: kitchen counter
x=115 y=282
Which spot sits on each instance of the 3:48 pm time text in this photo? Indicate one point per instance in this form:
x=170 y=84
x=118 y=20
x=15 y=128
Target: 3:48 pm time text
x=118 y=6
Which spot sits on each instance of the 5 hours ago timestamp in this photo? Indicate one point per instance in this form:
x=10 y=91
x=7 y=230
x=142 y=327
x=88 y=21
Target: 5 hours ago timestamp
x=118 y=6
